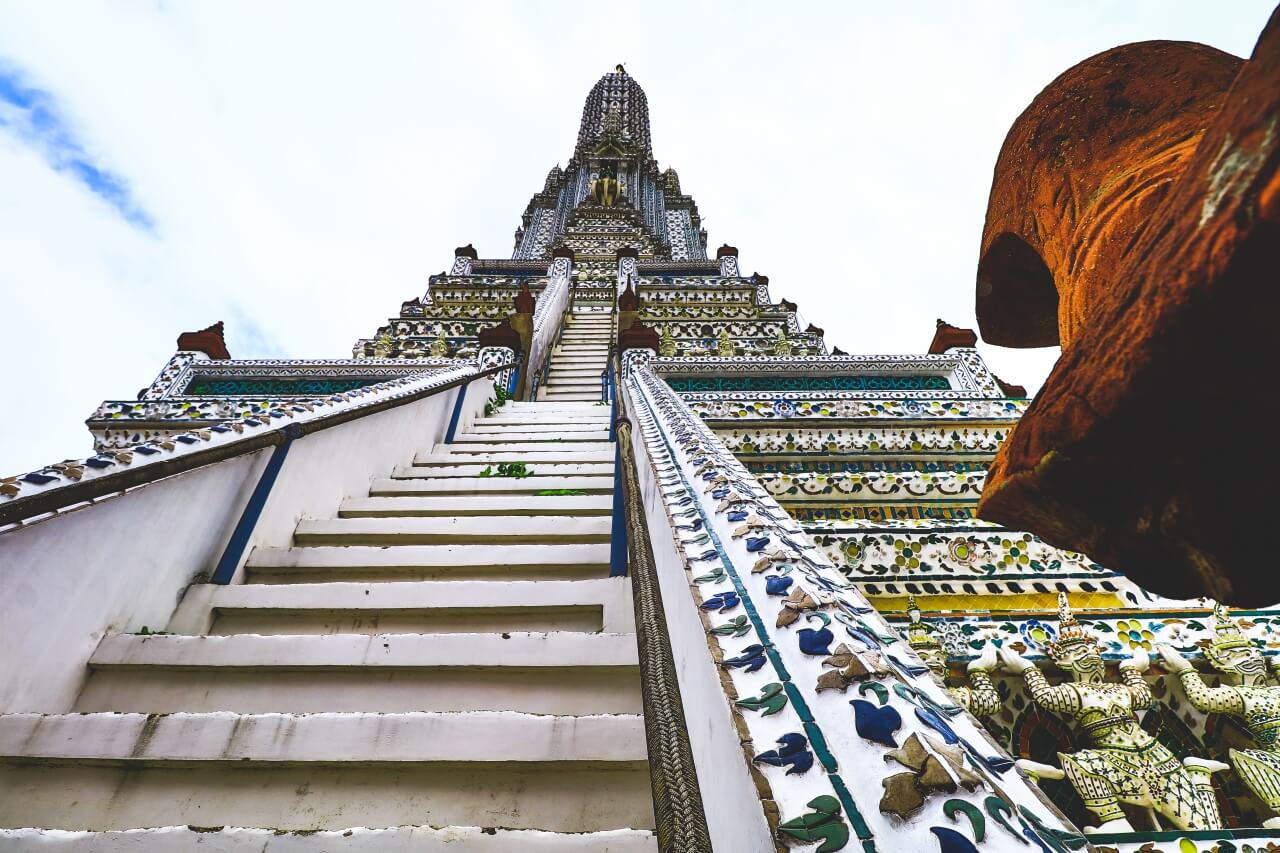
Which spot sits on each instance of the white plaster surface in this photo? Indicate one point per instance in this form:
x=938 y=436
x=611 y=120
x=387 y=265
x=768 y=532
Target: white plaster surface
x=535 y=469
x=380 y=650
x=67 y=581
x=483 y=485
x=460 y=529
x=455 y=505
x=489 y=736
x=611 y=594
x=404 y=839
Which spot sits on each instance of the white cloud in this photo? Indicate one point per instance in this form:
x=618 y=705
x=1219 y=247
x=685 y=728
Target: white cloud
x=307 y=165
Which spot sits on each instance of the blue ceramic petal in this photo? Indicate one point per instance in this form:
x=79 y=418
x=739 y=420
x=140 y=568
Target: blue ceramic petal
x=815 y=642
x=874 y=723
x=757 y=543
x=777 y=584
x=952 y=841
x=938 y=724
x=721 y=601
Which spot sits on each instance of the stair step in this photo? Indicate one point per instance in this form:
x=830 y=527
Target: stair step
x=562 y=672
x=543 y=407
x=477 y=505
x=324 y=771
x=460 y=562
x=330 y=738
x=466 y=437
x=461 y=530
x=581 y=372
x=535 y=469
x=482 y=450
x=566 y=430
x=573 y=421
x=591 y=484
x=355 y=839
x=434 y=607
x=574 y=382
x=551 y=453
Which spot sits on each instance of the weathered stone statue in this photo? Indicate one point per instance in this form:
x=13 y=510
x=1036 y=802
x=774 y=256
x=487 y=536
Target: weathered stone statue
x=980 y=697
x=1246 y=693
x=724 y=344
x=440 y=346
x=1134 y=219
x=667 y=344
x=1126 y=764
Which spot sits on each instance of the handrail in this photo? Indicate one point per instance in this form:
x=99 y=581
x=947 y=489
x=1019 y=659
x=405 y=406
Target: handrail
x=677 y=800
x=51 y=500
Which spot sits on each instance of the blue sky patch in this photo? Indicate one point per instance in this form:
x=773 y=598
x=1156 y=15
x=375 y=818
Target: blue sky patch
x=32 y=116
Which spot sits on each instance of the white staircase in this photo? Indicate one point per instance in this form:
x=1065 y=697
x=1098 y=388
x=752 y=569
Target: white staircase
x=446 y=665
x=580 y=358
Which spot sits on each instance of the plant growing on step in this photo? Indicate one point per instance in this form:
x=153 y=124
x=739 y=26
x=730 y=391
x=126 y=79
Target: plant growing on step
x=518 y=470
x=147 y=632
x=549 y=493
x=499 y=397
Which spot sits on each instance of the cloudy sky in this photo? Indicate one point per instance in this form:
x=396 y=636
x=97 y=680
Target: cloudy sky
x=299 y=169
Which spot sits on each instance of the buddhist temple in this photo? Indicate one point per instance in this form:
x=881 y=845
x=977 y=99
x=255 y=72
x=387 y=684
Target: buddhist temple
x=596 y=545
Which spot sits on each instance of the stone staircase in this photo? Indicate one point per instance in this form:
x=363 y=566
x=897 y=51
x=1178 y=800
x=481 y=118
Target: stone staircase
x=445 y=665
x=582 y=356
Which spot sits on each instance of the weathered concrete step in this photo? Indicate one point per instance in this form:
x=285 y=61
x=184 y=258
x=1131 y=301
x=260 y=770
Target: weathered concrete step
x=569 y=673
x=594 y=484
x=564 y=383
x=476 y=505
x=315 y=772
x=566 y=430
x=353 y=651
x=570 y=420
x=428 y=530
x=579 y=372
x=427 y=562
x=482 y=449
x=355 y=839
x=592 y=605
x=542 y=407
x=552 y=394
x=534 y=469
x=553 y=452
x=336 y=738
x=467 y=437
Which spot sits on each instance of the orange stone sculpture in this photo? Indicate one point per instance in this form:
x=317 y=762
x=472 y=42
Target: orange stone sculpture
x=1135 y=219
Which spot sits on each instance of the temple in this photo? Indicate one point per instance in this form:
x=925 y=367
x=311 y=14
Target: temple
x=597 y=547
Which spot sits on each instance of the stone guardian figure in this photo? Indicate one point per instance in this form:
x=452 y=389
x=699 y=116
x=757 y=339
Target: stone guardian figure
x=1125 y=764
x=1247 y=694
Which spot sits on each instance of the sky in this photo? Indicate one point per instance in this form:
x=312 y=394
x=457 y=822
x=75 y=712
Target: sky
x=298 y=169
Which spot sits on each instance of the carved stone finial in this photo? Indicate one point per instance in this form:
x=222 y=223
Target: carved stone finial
x=501 y=335
x=947 y=336
x=525 y=301
x=629 y=300
x=638 y=336
x=208 y=341
x=467 y=251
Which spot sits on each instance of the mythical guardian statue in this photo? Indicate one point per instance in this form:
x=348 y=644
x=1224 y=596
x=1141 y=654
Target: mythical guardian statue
x=979 y=699
x=1126 y=764
x=1246 y=693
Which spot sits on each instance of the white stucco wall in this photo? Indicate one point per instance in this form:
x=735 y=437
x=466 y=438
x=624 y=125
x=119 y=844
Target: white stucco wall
x=125 y=562
x=115 y=566
x=735 y=818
